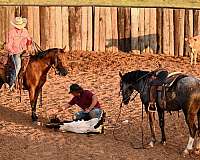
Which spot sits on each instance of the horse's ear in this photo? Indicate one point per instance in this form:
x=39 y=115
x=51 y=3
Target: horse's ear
x=120 y=74
x=64 y=49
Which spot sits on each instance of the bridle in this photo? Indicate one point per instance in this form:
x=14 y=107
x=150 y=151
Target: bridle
x=129 y=97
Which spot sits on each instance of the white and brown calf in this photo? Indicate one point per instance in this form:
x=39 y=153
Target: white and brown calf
x=193 y=44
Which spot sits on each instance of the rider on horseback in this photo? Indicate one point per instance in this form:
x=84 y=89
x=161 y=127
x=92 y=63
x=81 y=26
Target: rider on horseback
x=17 y=42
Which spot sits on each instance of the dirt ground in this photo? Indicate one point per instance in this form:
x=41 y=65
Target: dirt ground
x=99 y=72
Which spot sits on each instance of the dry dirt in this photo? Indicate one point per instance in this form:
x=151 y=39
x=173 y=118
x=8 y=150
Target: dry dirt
x=20 y=139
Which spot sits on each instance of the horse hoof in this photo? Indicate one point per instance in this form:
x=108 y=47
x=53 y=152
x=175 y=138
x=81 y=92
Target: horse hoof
x=186 y=152
x=151 y=144
x=35 y=122
x=163 y=143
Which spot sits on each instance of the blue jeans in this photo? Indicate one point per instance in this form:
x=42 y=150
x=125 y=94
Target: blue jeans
x=14 y=73
x=94 y=113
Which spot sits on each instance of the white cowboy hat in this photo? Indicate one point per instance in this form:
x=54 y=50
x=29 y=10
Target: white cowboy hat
x=19 y=22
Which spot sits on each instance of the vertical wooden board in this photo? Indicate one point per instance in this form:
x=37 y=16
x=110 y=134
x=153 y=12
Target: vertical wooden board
x=176 y=32
x=152 y=31
x=72 y=29
x=27 y=12
x=17 y=11
x=24 y=11
x=84 y=28
x=108 y=29
x=96 y=28
x=102 y=29
x=58 y=28
x=188 y=28
x=44 y=27
x=52 y=27
x=181 y=31
x=121 y=21
x=166 y=31
x=196 y=22
x=134 y=30
x=7 y=19
x=89 y=28
x=159 y=19
x=3 y=23
x=127 y=29
x=78 y=28
x=65 y=27
x=36 y=25
x=171 y=33
x=30 y=20
x=146 y=28
x=10 y=12
x=141 y=30
x=114 y=29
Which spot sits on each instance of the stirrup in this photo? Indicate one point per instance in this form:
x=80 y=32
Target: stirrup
x=152 y=110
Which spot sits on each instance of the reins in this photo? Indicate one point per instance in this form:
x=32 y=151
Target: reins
x=119 y=113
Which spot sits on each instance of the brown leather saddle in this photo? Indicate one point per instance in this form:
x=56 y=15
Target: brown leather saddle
x=7 y=65
x=162 y=84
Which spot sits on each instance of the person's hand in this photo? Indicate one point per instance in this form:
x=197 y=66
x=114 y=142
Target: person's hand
x=87 y=110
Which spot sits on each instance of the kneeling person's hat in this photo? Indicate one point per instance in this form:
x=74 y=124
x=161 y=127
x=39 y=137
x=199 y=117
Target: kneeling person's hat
x=74 y=88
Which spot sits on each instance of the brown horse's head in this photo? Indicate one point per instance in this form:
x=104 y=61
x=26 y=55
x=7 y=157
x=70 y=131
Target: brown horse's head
x=60 y=62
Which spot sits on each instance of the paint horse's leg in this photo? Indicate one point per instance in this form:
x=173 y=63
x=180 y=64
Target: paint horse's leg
x=190 y=119
x=33 y=95
x=152 y=127
x=162 y=125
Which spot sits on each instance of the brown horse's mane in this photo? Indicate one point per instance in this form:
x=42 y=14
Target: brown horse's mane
x=41 y=54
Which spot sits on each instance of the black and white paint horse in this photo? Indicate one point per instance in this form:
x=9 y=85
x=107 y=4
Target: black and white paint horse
x=183 y=95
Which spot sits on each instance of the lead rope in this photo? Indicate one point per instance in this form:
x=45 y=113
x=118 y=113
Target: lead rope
x=120 y=108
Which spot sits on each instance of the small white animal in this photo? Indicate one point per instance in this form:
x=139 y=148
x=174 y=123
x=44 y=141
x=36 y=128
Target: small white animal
x=194 y=47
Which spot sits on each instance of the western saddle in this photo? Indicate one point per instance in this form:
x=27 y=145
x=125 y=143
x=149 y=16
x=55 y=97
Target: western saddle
x=159 y=83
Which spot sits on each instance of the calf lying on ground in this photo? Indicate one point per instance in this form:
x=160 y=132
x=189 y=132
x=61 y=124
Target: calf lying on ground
x=94 y=125
x=193 y=44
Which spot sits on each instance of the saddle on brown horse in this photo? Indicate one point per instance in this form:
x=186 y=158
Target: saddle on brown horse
x=7 y=65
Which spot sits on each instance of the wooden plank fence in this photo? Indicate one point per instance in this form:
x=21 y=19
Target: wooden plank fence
x=112 y=29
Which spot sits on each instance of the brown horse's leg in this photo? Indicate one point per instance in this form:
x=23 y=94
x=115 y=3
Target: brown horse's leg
x=162 y=125
x=192 y=128
x=198 y=134
x=33 y=94
x=152 y=127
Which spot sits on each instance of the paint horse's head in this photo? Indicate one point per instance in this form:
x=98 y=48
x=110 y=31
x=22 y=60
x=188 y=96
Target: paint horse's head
x=129 y=82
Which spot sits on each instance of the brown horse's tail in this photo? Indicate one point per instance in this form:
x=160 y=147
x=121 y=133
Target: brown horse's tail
x=194 y=105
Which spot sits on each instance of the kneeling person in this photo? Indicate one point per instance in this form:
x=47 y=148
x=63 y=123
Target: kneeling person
x=87 y=101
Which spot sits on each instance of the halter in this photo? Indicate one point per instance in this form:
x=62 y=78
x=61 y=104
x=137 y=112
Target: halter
x=134 y=89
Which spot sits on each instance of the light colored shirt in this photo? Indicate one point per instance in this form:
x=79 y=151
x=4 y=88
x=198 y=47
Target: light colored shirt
x=17 y=40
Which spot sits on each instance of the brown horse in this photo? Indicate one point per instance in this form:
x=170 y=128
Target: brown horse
x=35 y=74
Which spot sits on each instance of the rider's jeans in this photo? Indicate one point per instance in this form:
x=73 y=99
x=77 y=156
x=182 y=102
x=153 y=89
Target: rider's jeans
x=17 y=63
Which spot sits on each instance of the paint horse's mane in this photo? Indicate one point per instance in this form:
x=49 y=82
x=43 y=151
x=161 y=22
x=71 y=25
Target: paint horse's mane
x=133 y=76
